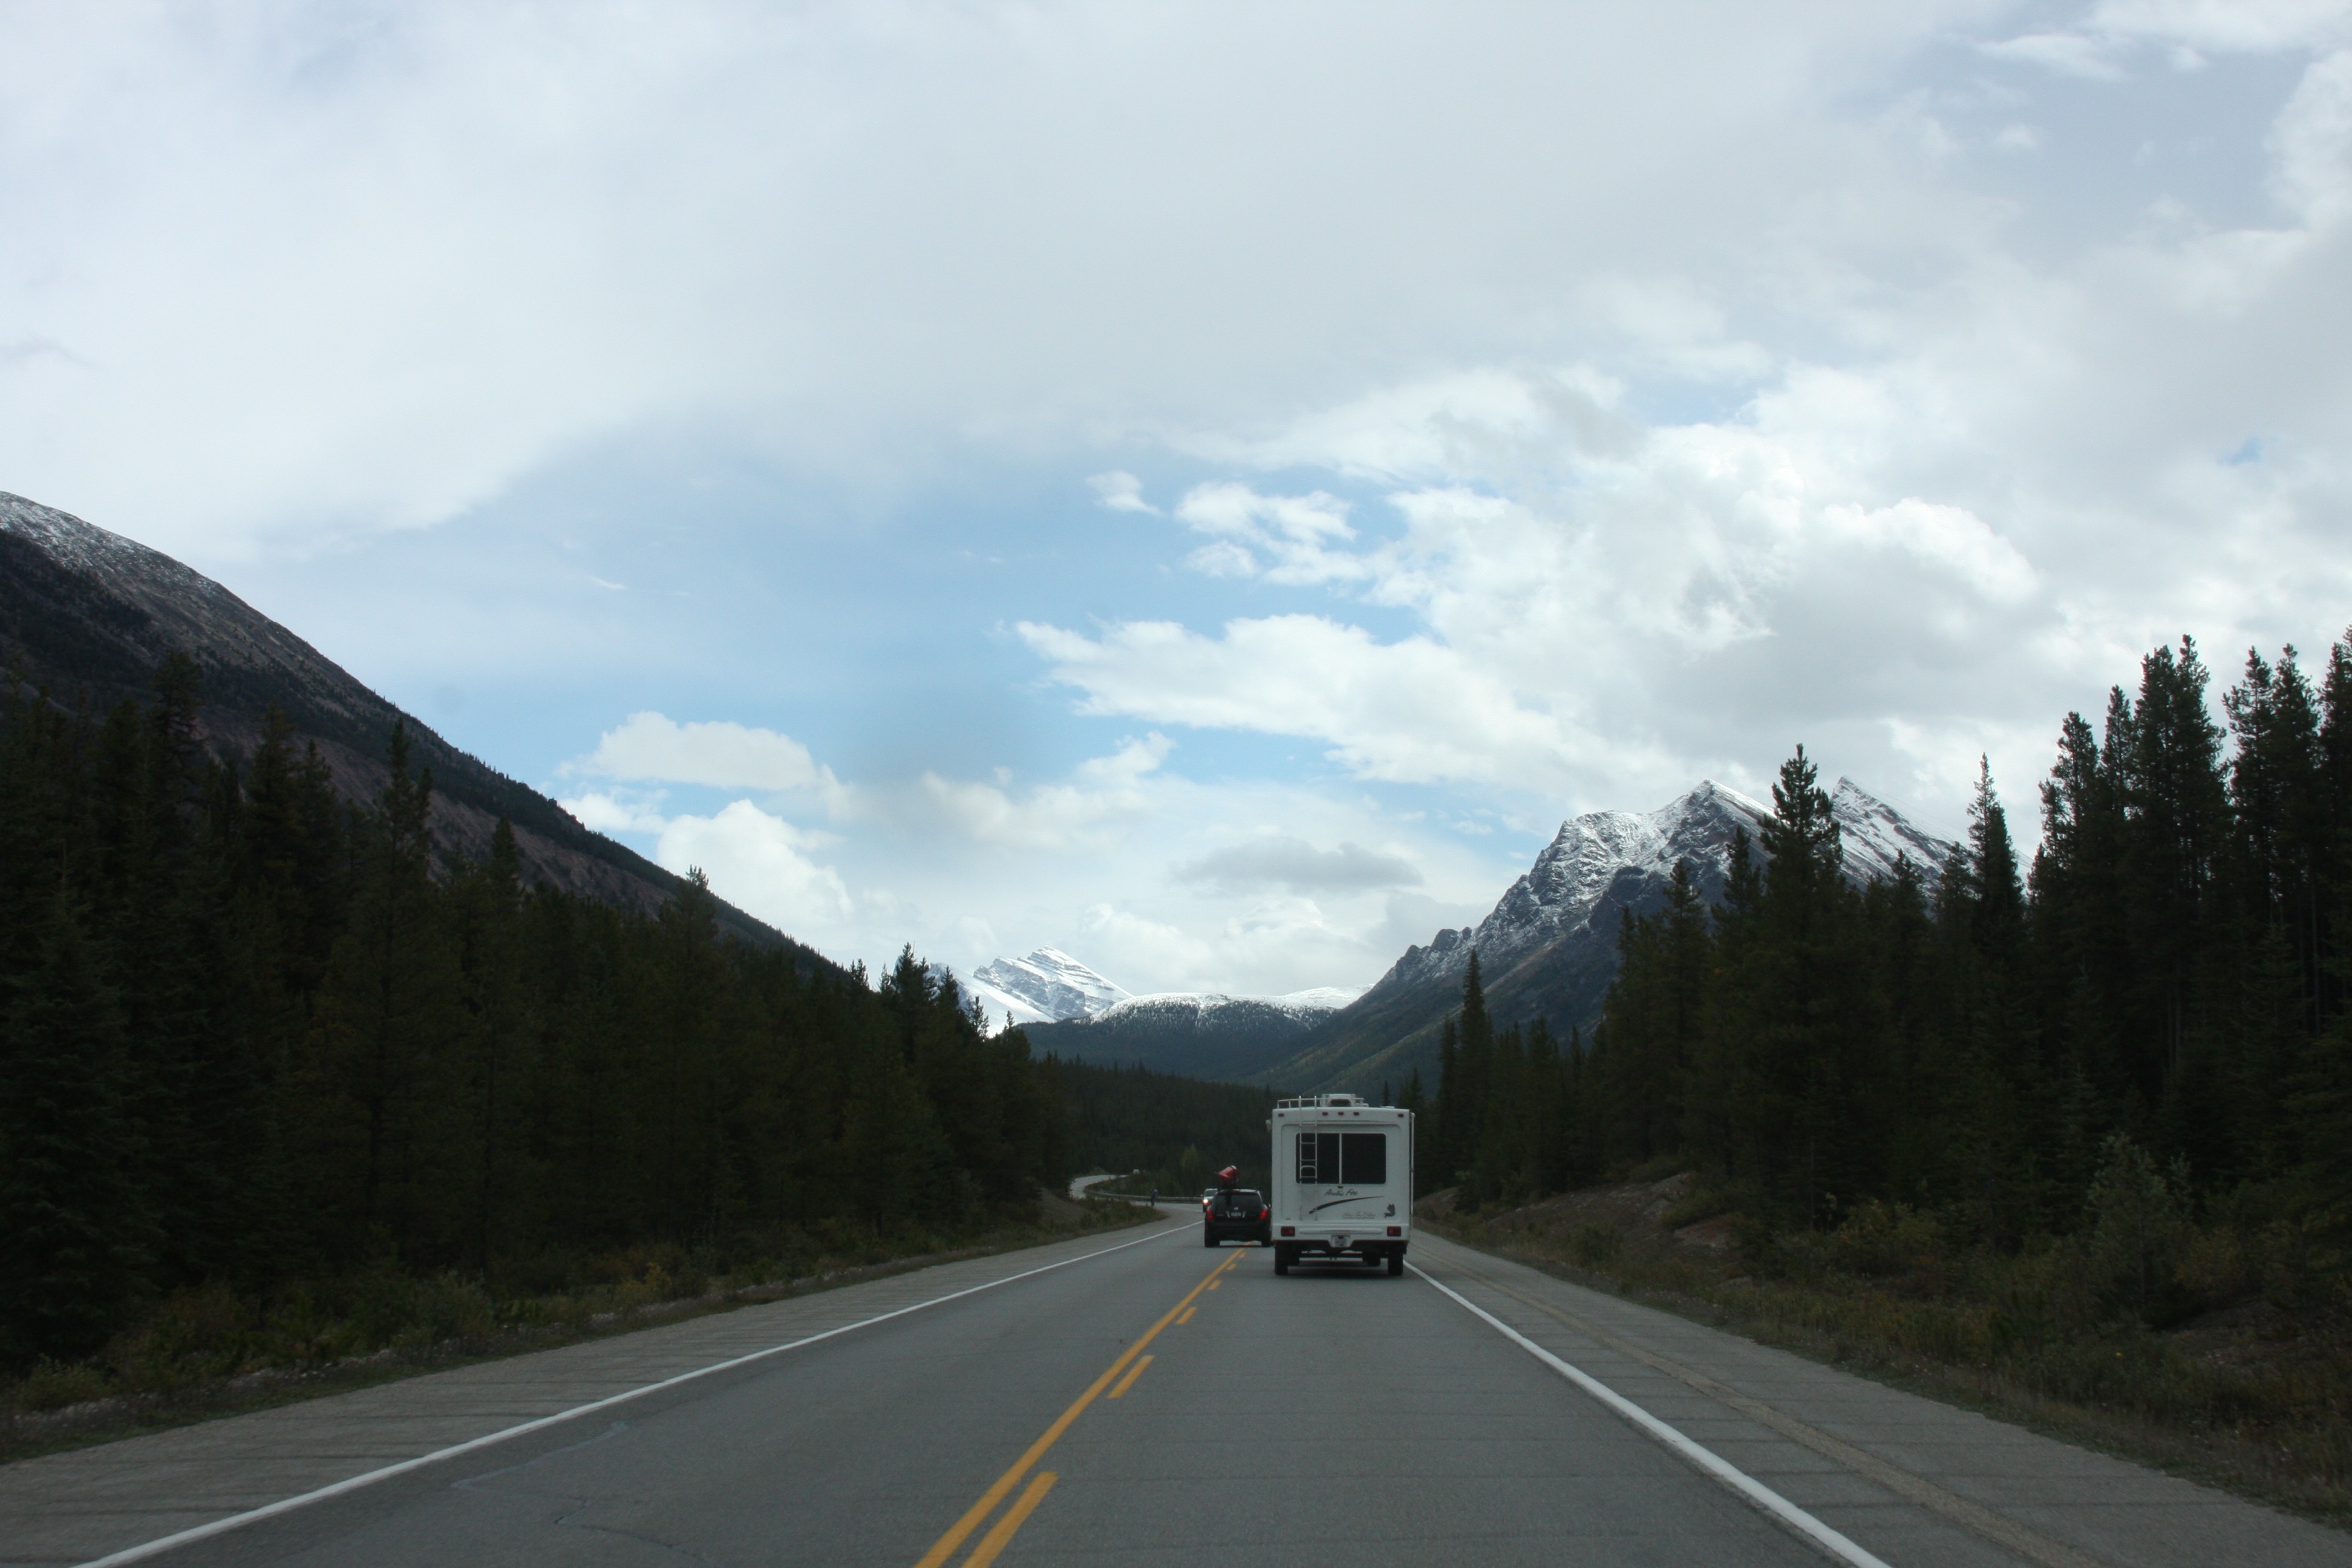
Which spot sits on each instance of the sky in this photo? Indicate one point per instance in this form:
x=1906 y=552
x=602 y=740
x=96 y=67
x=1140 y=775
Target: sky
x=1208 y=488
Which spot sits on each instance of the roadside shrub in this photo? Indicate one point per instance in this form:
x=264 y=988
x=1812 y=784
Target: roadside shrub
x=1883 y=1240
x=53 y=1385
x=2138 y=1215
x=1593 y=1244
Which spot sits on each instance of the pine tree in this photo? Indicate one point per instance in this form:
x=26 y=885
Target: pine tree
x=1447 y=1116
x=387 y=1022
x=77 y=1226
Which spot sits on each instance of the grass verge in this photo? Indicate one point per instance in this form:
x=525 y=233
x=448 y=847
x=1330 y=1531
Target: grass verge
x=2254 y=1396
x=204 y=1354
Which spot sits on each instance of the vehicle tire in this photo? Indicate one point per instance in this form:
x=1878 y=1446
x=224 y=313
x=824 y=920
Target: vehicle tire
x=1396 y=1264
x=1282 y=1260
x=1208 y=1236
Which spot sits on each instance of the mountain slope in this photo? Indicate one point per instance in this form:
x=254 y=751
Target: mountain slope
x=86 y=614
x=1203 y=1035
x=1548 y=950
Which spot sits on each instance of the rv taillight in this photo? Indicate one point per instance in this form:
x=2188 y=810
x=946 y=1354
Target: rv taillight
x=1396 y=1230
x=1290 y=1230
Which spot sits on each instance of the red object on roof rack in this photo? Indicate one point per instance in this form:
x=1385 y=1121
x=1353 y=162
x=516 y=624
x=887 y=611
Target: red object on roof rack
x=1229 y=1176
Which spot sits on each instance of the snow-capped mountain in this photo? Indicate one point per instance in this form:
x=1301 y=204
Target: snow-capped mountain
x=1199 y=1035
x=1311 y=1005
x=1617 y=858
x=1549 y=949
x=1874 y=834
x=1047 y=988
x=1073 y=1012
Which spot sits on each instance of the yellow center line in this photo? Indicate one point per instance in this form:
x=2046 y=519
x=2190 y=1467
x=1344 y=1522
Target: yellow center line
x=946 y=1544
x=1014 y=1516
x=1132 y=1374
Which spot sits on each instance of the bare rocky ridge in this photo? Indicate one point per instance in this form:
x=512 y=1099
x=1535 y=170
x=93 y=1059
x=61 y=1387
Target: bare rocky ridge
x=88 y=617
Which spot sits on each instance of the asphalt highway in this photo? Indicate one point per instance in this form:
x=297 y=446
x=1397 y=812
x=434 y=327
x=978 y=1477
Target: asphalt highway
x=1144 y=1400
x=1334 y=1417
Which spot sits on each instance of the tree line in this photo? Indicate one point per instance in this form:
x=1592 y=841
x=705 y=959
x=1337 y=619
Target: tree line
x=251 y=1034
x=1173 y=1133
x=2162 y=990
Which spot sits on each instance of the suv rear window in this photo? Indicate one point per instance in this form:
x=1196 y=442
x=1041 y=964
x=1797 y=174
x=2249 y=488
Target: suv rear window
x=1348 y=1159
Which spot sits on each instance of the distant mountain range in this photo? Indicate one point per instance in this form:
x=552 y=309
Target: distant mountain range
x=86 y=614
x=1549 y=949
x=1069 y=1009
x=1202 y=1035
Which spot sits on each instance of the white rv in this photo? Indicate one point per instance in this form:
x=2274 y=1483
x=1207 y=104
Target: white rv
x=1342 y=1181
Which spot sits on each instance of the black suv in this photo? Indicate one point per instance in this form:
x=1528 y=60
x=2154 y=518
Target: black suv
x=1235 y=1213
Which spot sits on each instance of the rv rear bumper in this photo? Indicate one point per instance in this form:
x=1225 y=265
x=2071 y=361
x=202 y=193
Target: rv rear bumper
x=1347 y=1246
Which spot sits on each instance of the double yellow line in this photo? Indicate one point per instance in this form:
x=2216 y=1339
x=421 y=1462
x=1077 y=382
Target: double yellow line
x=1001 y=1534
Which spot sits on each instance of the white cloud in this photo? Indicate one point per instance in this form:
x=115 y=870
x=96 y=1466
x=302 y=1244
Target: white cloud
x=2070 y=54
x=1052 y=817
x=1281 y=861
x=334 y=269
x=1121 y=492
x=608 y=811
x=721 y=754
x=1949 y=539
x=761 y=864
x=1410 y=712
x=2313 y=142
x=1295 y=533
x=2226 y=26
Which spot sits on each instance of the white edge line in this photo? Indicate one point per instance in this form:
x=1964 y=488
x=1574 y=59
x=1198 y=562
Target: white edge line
x=1754 y=1490
x=286 y=1505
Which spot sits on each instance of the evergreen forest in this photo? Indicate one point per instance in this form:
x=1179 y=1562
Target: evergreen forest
x=1163 y=1132
x=254 y=1038
x=2142 y=1029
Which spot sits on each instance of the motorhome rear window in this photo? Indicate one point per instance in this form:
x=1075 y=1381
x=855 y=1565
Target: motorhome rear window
x=1350 y=1159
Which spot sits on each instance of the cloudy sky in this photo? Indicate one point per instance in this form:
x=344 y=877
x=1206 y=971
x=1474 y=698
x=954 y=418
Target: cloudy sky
x=1205 y=487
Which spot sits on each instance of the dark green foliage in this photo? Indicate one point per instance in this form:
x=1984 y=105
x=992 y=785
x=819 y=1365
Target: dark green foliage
x=251 y=1039
x=1175 y=1132
x=2165 y=991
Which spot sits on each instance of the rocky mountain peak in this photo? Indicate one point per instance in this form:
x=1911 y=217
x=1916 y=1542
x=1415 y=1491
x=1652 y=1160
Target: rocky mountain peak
x=1047 y=986
x=1606 y=860
x=1548 y=950
x=1875 y=836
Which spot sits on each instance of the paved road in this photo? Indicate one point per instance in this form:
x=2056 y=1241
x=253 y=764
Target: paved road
x=1162 y=1403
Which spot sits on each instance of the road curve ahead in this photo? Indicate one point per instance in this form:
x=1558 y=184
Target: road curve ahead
x=1155 y=1403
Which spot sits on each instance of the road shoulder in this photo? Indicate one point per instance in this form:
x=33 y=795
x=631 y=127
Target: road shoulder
x=76 y=1506
x=2034 y=1499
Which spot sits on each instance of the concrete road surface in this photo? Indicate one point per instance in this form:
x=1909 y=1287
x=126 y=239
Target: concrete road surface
x=1144 y=1400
